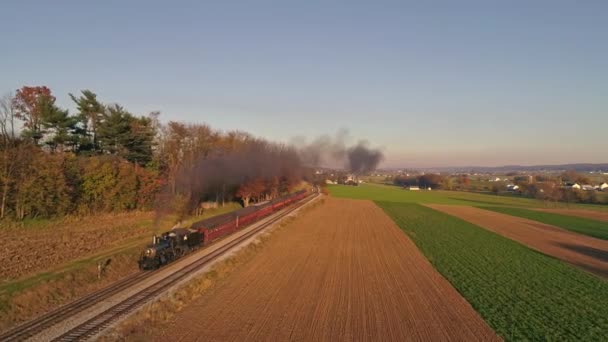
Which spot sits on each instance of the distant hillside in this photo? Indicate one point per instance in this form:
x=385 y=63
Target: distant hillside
x=581 y=167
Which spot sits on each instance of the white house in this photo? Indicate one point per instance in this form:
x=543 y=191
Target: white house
x=413 y=187
x=604 y=186
x=587 y=187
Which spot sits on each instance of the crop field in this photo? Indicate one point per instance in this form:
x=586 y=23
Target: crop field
x=585 y=226
x=588 y=214
x=55 y=261
x=376 y=192
x=578 y=250
x=342 y=272
x=522 y=294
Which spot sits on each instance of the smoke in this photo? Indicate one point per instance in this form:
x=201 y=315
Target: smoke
x=362 y=159
x=328 y=151
x=217 y=177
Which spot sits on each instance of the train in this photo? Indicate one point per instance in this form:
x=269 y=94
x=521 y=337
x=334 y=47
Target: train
x=172 y=245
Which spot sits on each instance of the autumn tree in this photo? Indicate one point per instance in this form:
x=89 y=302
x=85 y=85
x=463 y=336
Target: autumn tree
x=464 y=180
x=574 y=177
x=28 y=104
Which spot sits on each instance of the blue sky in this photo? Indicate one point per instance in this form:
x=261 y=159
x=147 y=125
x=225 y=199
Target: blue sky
x=434 y=84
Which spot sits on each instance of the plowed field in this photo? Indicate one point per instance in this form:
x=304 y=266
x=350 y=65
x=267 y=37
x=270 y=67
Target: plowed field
x=342 y=272
x=590 y=214
x=585 y=252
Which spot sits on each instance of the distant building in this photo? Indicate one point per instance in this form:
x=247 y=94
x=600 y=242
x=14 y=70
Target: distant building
x=587 y=187
x=572 y=186
x=512 y=187
x=413 y=187
x=604 y=186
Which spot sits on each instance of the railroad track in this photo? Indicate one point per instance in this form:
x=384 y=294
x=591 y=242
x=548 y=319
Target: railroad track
x=96 y=324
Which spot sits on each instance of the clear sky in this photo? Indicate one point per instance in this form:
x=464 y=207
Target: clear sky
x=434 y=83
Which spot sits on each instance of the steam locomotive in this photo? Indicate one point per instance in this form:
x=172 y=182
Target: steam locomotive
x=168 y=247
x=177 y=242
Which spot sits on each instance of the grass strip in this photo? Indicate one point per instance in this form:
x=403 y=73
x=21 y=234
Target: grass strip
x=585 y=226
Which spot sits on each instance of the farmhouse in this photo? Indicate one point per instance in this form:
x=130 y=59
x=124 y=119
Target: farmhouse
x=413 y=187
x=604 y=187
x=587 y=187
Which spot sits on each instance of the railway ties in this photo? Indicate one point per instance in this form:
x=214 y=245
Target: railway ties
x=29 y=329
x=105 y=319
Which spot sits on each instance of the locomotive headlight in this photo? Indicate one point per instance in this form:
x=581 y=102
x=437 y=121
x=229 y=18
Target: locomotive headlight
x=150 y=252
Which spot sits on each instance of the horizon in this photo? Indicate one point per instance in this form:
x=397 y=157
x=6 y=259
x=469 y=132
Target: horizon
x=431 y=86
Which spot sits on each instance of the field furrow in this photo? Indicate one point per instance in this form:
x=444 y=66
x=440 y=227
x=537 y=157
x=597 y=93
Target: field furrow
x=342 y=272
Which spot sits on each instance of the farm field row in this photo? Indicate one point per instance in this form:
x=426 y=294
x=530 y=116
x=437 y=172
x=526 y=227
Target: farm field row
x=585 y=226
x=344 y=271
x=579 y=250
x=522 y=294
x=389 y=193
x=588 y=214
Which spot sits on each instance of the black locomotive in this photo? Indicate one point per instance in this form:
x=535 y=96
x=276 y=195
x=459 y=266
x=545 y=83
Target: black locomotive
x=169 y=246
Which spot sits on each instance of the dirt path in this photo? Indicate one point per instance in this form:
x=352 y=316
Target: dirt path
x=589 y=214
x=585 y=252
x=342 y=272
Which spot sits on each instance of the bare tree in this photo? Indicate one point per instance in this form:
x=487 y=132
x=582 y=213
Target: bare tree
x=7 y=118
x=9 y=157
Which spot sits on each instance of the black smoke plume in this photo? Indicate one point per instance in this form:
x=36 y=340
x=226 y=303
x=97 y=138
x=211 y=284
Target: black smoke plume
x=218 y=176
x=362 y=159
x=334 y=152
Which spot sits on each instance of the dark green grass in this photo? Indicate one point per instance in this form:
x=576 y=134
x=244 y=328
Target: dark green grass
x=590 y=227
x=522 y=294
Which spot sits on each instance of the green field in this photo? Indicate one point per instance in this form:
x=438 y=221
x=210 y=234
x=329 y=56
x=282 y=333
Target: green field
x=377 y=192
x=390 y=193
x=590 y=227
x=522 y=294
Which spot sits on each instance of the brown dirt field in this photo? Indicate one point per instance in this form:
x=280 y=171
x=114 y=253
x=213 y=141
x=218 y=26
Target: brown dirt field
x=590 y=214
x=342 y=272
x=30 y=250
x=582 y=251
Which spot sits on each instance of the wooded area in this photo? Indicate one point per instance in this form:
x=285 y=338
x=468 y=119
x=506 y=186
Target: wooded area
x=105 y=159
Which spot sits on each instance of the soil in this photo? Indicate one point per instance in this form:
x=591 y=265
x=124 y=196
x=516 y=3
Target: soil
x=342 y=272
x=26 y=251
x=582 y=251
x=589 y=214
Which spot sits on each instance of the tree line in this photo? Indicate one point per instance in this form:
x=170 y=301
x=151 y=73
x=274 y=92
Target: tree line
x=543 y=187
x=103 y=158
